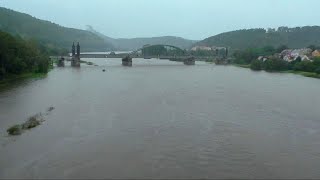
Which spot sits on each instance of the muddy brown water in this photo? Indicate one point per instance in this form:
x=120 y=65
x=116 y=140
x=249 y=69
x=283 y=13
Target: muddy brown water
x=162 y=119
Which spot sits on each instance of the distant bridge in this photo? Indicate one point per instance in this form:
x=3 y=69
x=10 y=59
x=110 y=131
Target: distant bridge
x=159 y=51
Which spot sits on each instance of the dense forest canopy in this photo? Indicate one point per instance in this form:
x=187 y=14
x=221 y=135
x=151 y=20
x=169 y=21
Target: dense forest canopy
x=298 y=37
x=48 y=34
x=18 y=56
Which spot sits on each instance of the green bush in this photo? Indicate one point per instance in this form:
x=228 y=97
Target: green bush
x=275 y=64
x=306 y=66
x=18 y=56
x=256 y=65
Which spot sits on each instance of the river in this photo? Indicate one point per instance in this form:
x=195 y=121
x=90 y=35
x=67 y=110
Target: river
x=162 y=119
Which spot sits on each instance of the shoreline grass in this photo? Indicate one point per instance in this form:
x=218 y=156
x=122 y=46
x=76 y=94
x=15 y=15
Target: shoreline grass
x=242 y=65
x=302 y=73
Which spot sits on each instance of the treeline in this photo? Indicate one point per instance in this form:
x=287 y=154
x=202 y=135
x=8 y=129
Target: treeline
x=297 y=37
x=18 y=56
x=274 y=62
x=161 y=50
x=248 y=55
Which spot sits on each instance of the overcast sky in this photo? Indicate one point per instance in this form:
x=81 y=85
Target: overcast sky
x=193 y=19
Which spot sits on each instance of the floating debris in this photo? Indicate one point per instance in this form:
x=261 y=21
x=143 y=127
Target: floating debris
x=50 y=109
x=31 y=123
x=15 y=130
x=103 y=70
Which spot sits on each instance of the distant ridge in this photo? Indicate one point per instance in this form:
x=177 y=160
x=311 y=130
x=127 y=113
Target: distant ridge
x=48 y=33
x=297 y=37
x=136 y=43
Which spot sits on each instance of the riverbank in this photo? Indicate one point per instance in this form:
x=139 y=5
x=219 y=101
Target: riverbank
x=302 y=73
x=13 y=78
x=242 y=65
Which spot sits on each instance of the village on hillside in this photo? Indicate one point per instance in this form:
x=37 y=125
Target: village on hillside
x=289 y=55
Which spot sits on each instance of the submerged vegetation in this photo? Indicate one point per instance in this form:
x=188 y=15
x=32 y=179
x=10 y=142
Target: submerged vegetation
x=15 y=130
x=32 y=122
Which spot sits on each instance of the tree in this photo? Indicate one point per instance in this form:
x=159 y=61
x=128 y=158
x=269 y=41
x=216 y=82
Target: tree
x=256 y=65
x=281 y=48
x=306 y=66
x=18 y=56
x=268 y=50
x=275 y=64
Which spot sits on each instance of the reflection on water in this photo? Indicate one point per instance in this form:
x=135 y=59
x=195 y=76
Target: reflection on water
x=161 y=119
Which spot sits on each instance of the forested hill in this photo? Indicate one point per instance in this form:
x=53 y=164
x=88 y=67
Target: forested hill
x=47 y=33
x=241 y=39
x=136 y=43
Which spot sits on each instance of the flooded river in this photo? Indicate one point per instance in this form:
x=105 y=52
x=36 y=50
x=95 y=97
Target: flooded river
x=162 y=119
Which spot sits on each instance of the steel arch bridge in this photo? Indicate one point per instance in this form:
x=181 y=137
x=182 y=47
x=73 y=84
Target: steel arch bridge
x=160 y=50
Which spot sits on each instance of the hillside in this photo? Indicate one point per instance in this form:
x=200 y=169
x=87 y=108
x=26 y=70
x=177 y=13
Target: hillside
x=47 y=33
x=136 y=43
x=241 y=39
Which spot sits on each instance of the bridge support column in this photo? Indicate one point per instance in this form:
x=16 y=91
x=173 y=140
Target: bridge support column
x=75 y=61
x=189 y=61
x=127 y=61
x=61 y=62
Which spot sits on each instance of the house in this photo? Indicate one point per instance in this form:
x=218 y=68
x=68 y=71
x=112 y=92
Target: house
x=201 y=48
x=304 y=58
x=316 y=53
x=291 y=55
x=214 y=48
x=262 y=58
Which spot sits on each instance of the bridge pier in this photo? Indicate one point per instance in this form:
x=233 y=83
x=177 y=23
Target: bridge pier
x=61 y=62
x=75 y=61
x=127 y=61
x=186 y=60
x=189 y=61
